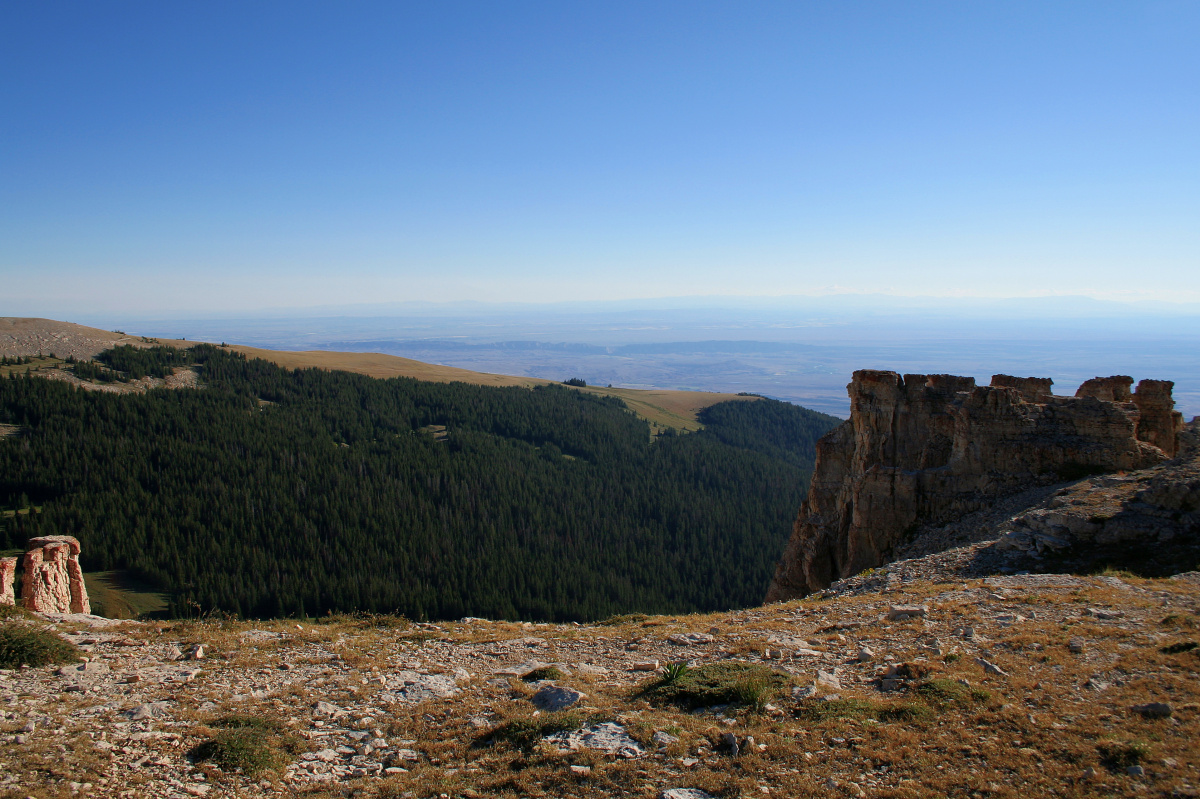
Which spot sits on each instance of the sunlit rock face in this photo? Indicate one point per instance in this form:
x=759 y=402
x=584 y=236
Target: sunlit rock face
x=8 y=575
x=53 y=581
x=927 y=449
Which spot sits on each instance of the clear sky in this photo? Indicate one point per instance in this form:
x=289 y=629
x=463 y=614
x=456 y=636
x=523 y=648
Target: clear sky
x=231 y=155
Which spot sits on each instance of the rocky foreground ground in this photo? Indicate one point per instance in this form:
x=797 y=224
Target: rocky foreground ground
x=894 y=684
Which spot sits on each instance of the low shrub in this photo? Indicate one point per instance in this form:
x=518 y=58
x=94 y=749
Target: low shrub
x=24 y=642
x=1118 y=755
x=942 y=691
x=254 y=744
x=674 y=672
x=725 y=682
x=625 y=618
x=524 y=733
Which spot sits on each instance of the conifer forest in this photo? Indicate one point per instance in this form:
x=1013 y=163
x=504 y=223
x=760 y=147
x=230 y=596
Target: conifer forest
x=269 y=492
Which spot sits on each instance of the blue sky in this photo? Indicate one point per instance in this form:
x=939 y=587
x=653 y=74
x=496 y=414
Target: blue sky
x=223 y=156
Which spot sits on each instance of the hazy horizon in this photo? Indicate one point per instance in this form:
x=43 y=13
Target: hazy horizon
x=229 y=157
x=801 y=350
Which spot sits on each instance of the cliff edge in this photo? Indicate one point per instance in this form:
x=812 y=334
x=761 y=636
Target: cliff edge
x=928 y=449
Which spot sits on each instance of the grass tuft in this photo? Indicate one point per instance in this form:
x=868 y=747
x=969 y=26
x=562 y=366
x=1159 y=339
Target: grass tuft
x=544 y=673
x=718 y=683
x=1118 y=755
x=941 y=691
x=30 y=644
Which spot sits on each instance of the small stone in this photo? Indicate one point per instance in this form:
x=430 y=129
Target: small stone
x=150 y=710
x=645 y=665
x=1153 y=710
x=663 y=739
x=991 y=668
x=902 y=612
x=731 y=741
x=828 y=680
x=581 y=771
x=865 y=655
x=1076 y=645
x=196 y=652
x=553 y=698
x=1135 y=771
x=685 y=793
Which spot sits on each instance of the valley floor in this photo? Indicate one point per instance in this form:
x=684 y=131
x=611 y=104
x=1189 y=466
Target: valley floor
x=1004 y=686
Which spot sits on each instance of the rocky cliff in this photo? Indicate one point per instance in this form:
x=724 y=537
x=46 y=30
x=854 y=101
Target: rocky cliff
x=928 y=449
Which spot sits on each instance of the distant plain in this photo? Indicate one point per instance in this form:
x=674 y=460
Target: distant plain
x=800 y=351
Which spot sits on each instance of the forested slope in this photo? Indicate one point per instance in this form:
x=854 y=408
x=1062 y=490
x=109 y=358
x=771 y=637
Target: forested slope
x=273 y=492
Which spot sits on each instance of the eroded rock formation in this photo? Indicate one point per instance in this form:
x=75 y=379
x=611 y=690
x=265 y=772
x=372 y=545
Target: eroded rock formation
x=8 y=574
x=927 y=449
x=53 y=581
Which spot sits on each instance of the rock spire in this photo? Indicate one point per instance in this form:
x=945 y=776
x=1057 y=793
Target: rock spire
x=53 y=581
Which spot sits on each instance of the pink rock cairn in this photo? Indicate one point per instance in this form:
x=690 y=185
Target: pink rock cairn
x=53 y=580
x=8 y=574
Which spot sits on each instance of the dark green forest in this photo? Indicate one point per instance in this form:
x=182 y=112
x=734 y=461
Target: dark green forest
x=271 y=492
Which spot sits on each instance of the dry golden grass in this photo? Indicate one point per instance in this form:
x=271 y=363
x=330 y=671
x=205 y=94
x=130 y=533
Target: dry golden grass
x=663 y=407
x=952 y=730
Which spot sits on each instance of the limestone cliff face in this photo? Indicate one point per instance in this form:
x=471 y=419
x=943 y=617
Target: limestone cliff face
x=922 y=449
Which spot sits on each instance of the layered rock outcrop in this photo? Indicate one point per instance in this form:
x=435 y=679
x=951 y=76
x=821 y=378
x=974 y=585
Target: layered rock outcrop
x=1159 y=507
x=53 y=581
x=927 y=449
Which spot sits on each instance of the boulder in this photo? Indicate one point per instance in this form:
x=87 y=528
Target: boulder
x=553 y=698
